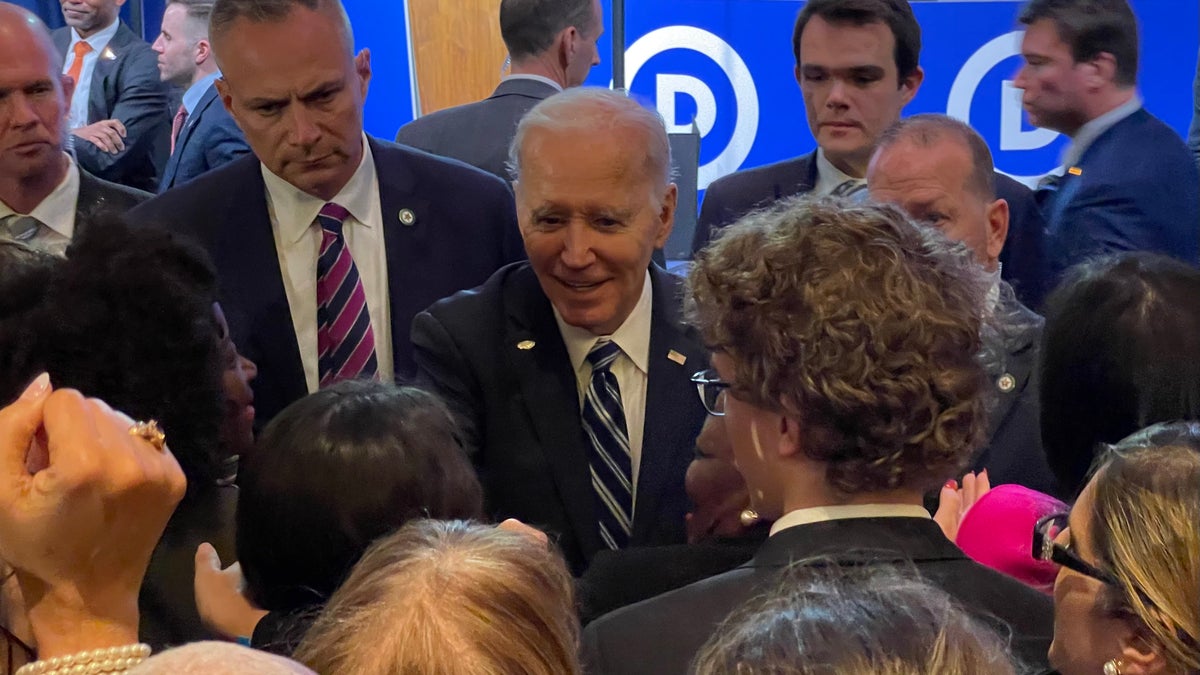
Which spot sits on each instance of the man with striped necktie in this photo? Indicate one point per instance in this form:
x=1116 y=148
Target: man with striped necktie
x=571 y=373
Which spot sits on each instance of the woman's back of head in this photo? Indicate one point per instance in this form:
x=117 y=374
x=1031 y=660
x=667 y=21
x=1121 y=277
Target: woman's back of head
x=823 y=619
x=1120 y=351
x=335 y=471
x=449 y=598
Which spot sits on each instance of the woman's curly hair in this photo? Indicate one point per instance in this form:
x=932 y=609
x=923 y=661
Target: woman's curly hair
x=860 y=324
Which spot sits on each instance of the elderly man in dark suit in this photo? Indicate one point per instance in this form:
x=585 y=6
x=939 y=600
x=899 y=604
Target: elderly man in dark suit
x=1129 y=182
x=857 y=64
x=552 y=46
x=45 y=197
x=939 y=170
x=118 y=115
x=845 y=366
x=328 y=242
x=203 y=134
x=570 y=373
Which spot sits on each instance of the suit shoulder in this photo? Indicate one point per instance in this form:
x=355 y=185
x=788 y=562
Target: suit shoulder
x=760 y=176
x=483 y=301
x=201 y=196
x=442 y=172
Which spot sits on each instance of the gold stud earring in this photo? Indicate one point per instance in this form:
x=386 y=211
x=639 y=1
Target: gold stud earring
x=749 y=517
x=1112 y=667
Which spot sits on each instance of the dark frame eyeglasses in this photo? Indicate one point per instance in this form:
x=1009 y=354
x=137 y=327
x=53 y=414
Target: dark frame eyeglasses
x=711 y=388
x=1045 y=548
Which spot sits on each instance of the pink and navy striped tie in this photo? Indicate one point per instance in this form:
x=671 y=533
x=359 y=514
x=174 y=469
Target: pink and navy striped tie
x=345 y=341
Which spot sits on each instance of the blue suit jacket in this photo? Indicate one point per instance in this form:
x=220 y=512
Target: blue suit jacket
x=209 y=139
x=126 y=86
x=735 y=195
x=1136 y=189
x=519 y=408
x=465 y=229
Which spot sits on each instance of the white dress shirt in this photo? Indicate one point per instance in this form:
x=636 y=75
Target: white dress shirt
x=298 y=243
x=631 y=367
x=1088 y=133
x=78 y=115
x=56 y=212
x=817 y=514
x=535 y=78
x=829 y=176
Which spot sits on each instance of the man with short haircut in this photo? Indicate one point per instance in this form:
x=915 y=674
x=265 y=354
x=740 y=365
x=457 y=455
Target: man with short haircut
x=940 y=171
x=858 y=66
x=551 y=45
x=119 y=114
x=326 y=241
x=45 y=197
x=1129 y=183
x=570 y=373
x=844 y=363
x=203 y=134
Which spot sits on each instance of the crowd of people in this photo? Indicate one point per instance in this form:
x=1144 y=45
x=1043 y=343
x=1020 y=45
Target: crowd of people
x=431 y=406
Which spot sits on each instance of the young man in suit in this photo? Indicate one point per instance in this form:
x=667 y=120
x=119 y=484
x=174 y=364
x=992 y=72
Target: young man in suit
x=119 y=114
x=844 y=350
x=940 y=171
x=858 y=66
x=551 y=45
x=45 y=197
x=326 y=241
x=203 y=134
x=571 y=373
x=1129 y=183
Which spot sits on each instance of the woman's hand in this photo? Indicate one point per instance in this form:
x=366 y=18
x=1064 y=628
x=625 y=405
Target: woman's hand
x=220 y=596
x=955 y=501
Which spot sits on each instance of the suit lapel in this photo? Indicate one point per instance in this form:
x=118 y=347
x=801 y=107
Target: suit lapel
x=106 y=67
x=551 y=397
x=800 y=179
x=185 y=134
x=1020 y=335
x=671 y=415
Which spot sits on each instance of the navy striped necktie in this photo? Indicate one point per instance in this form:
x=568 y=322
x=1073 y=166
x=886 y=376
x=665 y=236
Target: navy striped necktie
x=345 y=340
x=610 y=458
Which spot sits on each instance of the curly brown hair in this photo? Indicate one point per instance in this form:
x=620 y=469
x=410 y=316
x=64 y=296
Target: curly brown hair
x=858 y=323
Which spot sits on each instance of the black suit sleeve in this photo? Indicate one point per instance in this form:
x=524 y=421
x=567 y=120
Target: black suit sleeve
x=443 y=369
x=142 y=106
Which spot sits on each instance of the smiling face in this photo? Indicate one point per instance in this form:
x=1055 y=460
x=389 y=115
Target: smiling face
x=301 y=111
x=851 y=87
x=88 y=17
x=591 y=216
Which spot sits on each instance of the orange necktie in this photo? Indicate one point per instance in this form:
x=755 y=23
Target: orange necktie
x=81 y=50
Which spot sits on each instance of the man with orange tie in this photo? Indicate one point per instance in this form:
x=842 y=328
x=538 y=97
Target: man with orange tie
x=203 y=135
x=119 y=115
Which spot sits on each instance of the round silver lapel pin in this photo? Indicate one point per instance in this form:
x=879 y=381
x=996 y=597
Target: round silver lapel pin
x=1006 y=383
x=407 y=217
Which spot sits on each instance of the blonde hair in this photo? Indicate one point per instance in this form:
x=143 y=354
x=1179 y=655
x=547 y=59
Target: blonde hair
x=1144 y=522
x=859 y=323
x=449 y=598
x=824 y=619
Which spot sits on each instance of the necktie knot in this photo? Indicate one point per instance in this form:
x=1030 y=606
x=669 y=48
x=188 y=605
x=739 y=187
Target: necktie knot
x=18 y=227
x=602 y=355
x=81 y=49
x=849 y=188
x=331 y=218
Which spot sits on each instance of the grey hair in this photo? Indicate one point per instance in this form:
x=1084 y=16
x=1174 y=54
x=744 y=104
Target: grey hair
x=529 y=27
x=226 y=12
x=217 y=658
x=926 y=129
x=595 y=108
x=827 y=619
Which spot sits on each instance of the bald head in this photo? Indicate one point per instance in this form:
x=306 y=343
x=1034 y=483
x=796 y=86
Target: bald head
x=20 y=27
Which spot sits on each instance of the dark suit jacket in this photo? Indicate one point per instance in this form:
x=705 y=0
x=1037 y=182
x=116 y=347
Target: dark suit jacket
x=209 y=139
x=98 y=196
x=663 y=634
x=1138 y=189
x=1013 y=453
x=126 y=86
x=733 y=196
x=520 y=408
x=465 y=229
x=477 y=133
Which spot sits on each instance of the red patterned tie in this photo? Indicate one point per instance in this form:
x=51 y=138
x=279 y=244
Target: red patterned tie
x=345 y=340
x=177 y=125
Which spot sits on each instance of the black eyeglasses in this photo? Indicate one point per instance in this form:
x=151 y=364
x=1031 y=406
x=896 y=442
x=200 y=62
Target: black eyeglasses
x=1045 y=548
x=711 y=388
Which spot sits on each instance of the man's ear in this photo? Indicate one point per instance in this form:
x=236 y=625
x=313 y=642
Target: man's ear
x=1102 y=70
x=911 y=84
x=362 y=67
x=666 y=215
x=997 y=221
x=203 y=51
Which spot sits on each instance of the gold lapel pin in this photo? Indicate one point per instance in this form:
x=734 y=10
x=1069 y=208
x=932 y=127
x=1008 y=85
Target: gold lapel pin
x=526 y=345
x=677 y=357
x=1075 y=171
x=407 y=217
x=1006 y=383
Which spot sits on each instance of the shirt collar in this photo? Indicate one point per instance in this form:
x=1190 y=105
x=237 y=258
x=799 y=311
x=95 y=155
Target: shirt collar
x=295 y=209
x=98 y=41
x=1088 y=133
x=817 y=514
x=829 y=176
x=535 y=78
x=633 y=337
x=57 y=210
x=194 y=93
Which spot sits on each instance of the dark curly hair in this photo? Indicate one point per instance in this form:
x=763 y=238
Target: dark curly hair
x=859 y=323
x=128 y=318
